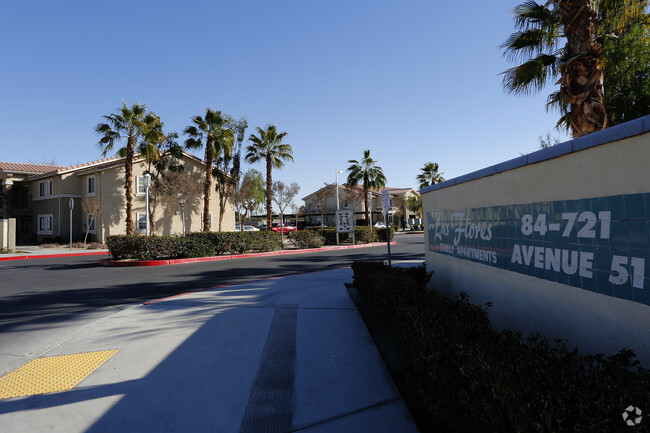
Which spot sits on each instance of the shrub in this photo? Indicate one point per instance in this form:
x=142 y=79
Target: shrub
x=266 y=240
x=381 y=233
x=200 y=244
x=364 y=235
x=307 y=239
x=189 y=247
x=460 y=374
x=138 y=247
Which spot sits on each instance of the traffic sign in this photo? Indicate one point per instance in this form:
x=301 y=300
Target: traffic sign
x=385 y=201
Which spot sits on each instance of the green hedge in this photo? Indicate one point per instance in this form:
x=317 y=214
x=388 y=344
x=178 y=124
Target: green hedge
x=362 y=235
x=307 y=239
x=459 y=374
x=138 y=247
x=381 y=233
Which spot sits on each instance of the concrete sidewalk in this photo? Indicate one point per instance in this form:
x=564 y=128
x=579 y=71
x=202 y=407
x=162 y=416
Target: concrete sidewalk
x=37 y=251
x=287 y=355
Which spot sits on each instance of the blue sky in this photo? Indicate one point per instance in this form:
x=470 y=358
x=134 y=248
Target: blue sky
x=412 y=81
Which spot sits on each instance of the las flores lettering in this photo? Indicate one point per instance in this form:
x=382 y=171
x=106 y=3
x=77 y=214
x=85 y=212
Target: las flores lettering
x=462 y=227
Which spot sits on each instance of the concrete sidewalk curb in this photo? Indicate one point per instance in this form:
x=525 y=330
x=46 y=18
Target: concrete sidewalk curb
x=113 y=263
x=55 y=255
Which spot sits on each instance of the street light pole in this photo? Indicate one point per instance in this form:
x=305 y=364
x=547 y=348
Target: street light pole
x=337 y=202
x=370 y=206
x=147 y=183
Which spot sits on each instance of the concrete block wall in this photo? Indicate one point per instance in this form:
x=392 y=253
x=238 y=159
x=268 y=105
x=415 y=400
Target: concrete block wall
x=558 y=240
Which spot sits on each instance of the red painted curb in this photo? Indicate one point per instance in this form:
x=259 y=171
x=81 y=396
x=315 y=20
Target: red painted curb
x=111 y=263
x=47 y=256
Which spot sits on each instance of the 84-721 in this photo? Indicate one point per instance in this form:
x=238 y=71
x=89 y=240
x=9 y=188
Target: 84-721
x=588 y=219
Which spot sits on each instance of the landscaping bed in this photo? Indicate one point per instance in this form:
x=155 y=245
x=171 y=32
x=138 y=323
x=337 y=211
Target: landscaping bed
x=460 y=374
x=210 y=244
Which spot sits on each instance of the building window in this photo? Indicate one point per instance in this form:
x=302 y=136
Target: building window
x=90 y=223
x=2 y=192
x=45 y=188
x=45 y=224
x=90 y=185
x=141 y=221
x=209 y=220
x=139 y=185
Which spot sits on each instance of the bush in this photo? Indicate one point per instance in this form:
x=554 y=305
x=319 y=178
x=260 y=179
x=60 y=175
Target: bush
x=381 y=233
x=138 y=247
x=264 y=240
x=460 y=374
x=364 y=234
x=190 y=247
x=307 y=239
x=201 y=244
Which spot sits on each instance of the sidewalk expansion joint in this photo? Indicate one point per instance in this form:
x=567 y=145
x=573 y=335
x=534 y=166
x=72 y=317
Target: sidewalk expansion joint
x=345 y=415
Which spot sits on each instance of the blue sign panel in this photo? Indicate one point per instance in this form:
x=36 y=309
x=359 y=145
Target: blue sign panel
x=600 y=244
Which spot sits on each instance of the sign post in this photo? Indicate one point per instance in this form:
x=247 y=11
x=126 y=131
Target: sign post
x=71 y=206
x=385 y=207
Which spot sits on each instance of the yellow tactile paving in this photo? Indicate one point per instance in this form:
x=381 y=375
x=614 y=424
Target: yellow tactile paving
x=52 y=374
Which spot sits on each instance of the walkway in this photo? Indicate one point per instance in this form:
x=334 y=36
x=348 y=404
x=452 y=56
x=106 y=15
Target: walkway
x=288 y=355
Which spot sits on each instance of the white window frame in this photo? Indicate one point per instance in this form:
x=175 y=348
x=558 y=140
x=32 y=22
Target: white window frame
x=139 y=182
x=45 y=224
x=94 y=185
x=46 y=190
x=91 y=225
x=139 y=215
x=209 y=221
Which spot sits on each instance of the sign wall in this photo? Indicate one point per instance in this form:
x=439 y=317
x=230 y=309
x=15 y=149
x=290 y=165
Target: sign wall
x=600 y=244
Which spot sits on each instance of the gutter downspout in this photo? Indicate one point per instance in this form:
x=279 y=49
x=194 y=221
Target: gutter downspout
x=99 y=229
x=59 y=218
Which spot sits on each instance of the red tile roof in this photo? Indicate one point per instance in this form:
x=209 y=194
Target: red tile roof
x=17 y=167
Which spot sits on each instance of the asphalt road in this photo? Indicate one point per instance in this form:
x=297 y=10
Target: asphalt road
x=40 y=294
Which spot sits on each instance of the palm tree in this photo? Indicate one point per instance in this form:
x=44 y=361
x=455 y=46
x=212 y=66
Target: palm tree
x=132 y=124
x=368 y=174
x=268 y=146
x=429 y=175
x=584 y=24
x=212 y=132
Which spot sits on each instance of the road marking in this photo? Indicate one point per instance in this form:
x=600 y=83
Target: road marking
x=51 y=374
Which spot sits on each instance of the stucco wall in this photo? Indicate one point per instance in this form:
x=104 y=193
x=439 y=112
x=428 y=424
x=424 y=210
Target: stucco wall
x=583 y=306
x=110 y=197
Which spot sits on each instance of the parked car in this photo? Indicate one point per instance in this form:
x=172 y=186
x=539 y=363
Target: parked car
x=283 y=228
x=251 y=229
x=379 y=225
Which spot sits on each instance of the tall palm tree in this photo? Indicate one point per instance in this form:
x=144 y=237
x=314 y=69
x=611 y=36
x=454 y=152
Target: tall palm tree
x=429 y=175
x=212 y=132
x=583 y=23
x=368 y=174
x=135 y=125
x=268 y=146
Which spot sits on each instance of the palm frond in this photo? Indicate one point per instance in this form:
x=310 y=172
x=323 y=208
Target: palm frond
x=533 y=42
x=530 y=76
x=530 y=14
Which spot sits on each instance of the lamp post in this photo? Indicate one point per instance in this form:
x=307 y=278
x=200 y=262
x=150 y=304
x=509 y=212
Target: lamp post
x=337 y=201
x=370 y=208
x=147 y=184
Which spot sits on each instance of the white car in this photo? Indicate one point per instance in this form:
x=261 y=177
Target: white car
x=251 y=229
x=380 y=225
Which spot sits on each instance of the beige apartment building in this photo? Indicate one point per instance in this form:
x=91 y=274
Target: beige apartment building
x=320 y=206
x=40 y=197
